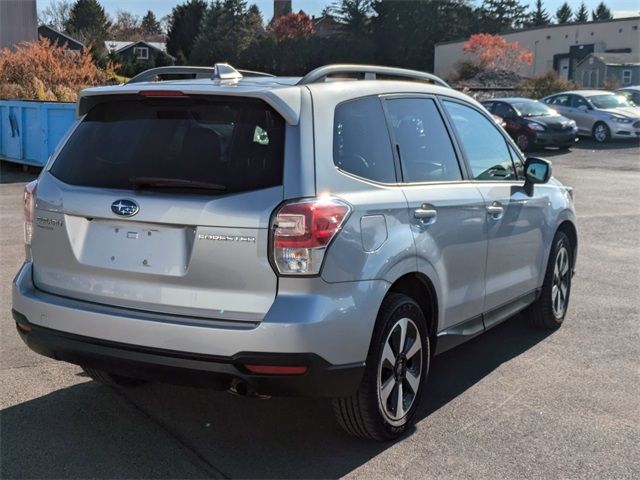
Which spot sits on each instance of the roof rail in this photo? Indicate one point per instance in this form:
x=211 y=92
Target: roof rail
x=371 y=72
x=153 y=74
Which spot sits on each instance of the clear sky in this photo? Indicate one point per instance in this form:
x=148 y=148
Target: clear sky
x=314 y=7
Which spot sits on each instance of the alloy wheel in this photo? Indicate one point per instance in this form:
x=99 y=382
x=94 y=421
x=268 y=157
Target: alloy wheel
x=560 y=283
x=600 y=133
x=400 y=371
x=522 y=141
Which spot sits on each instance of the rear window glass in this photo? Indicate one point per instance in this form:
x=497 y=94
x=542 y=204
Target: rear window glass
x=424 y=146
x=361 y=144
x=237 y=145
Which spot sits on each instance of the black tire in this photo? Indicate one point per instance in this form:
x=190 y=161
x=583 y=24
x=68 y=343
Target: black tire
x=362 y=413
x=603 y=137
x=523 y=141
x=111 y=379
x=542 y=313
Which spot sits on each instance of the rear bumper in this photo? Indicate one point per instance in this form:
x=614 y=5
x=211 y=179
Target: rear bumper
x=320 y=380
x=327 y=326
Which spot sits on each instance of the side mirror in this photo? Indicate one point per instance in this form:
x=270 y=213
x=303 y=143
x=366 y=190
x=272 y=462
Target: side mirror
x=583 y=108
x=536 y=170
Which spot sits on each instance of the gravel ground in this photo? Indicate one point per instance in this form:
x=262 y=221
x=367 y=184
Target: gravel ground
x=514 y=403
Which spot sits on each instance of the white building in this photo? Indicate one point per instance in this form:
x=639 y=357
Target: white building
x=555 y=47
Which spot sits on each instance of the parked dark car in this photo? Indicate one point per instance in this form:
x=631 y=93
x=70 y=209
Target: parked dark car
x=530 y=122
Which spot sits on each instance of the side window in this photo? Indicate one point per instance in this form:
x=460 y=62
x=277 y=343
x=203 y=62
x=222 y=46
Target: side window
x=361 y=144
x=578 y=101
x=489 y=106
x=484 y=145
x=425 y=148
x=504 y=110
x=562 y=100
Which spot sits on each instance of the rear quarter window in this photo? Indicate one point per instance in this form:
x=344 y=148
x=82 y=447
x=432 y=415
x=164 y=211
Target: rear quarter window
x=361 y=144
x=235 y=143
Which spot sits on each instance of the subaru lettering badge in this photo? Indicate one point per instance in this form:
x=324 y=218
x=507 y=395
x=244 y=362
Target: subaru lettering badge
x=125 y=208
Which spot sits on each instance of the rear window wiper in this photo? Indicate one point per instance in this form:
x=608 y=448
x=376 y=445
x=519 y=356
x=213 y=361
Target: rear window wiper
x=162 y=182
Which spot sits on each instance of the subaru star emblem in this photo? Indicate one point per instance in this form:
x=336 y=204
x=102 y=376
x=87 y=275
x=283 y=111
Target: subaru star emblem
x=125 y=208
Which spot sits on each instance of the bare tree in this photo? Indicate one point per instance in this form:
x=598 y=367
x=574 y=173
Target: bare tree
x=56 y=14
x=126 y=27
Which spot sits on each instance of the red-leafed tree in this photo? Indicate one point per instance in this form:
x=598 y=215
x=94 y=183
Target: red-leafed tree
x=494 y=52
x=292 y=25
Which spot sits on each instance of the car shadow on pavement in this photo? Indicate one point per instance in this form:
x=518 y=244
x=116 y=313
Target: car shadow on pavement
x=165 y=431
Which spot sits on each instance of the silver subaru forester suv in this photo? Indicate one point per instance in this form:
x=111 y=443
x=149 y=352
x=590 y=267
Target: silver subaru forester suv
x=315 y=236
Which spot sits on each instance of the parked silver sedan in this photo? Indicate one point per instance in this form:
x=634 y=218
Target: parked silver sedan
x=601 y=114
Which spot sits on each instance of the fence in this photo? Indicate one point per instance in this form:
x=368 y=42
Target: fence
x=31 y=130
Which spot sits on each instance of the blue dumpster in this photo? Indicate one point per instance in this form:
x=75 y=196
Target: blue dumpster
x=31 y=130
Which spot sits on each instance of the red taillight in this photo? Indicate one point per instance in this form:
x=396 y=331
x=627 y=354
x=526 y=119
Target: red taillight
x=28 y=199
x=301 y=232
x=162 y=93
x=277 y=369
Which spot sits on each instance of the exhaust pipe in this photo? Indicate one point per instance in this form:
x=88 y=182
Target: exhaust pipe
x=243 y=389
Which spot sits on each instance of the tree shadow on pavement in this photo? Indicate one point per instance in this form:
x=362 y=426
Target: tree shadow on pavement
x=584 y=144
x=14 y=173
x=164 y=431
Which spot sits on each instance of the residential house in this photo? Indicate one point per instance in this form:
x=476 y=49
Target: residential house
x=59 y=38
x=326 y=26
x=145 y=53
x=615 y=69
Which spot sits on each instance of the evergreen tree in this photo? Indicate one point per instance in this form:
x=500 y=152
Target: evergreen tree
x=582 y=15
x=226 y=32
x=354 y=14
x=496 y=16
x=255 y=20
x=184 y=26
x=564 y=13
x=601 y=13
x=150 y=24
x=539 y=16
x=88 y=22
x=405 y=33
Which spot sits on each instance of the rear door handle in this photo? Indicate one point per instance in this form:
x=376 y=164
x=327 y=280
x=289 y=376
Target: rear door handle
x=495 y=210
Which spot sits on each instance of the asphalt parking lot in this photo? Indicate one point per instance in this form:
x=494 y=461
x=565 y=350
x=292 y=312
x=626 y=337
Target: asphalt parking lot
x=513 y=403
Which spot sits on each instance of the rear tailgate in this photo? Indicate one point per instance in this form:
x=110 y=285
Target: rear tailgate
x=163 y=204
